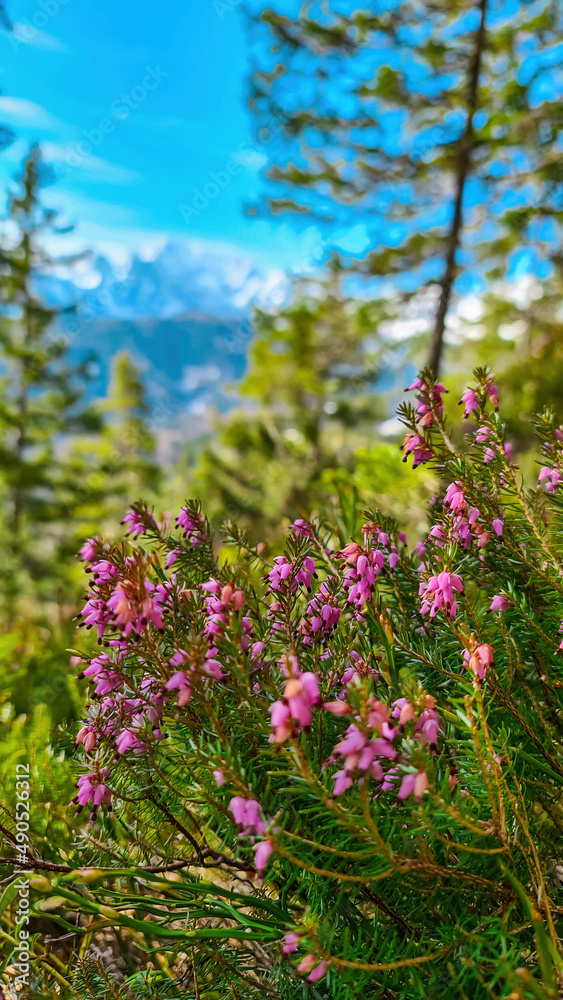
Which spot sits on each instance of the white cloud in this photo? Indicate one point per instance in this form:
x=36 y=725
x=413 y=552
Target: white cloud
x=20 y=111
x=250 y=158
x=27 y=34
x=70 y=158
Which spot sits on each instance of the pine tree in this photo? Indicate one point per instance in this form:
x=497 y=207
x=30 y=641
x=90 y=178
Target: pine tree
x=41 y=401
x=430 y=123
x=310 y=403
x=117 y=466
x=128 y=430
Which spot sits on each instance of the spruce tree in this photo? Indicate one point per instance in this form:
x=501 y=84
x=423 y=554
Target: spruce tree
x=41 y=402
x=117 y=465
x=308 y=402
x=128 y=429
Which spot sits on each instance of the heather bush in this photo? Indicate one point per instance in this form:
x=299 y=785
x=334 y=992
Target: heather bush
x=335 y=772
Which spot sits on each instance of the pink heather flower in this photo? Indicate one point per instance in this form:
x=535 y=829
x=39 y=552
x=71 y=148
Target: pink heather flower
x=403 y=710
x=181 y=683
x=337 y=707
x=321 y=617
x=246 y=814
x=428 y=396
x=128 y=740
x=307 y=963
x=499 y=603
x=481 y=660
x=498 y=526
x=103 y=670
x=87 y=736
x=301 y=528
x=553 y=477
x=455 y=497
x=493 y=393
x=351 y=552
x=417 y=445
x=283 y=569
x=219 y=778
x=319 y=971
x=92 y=788
x=417 y=783
x=294 y=711
x=299 y=701
x=428 y=724
x=104 y=571
x=291 y=942
x=361 y=754
x=237 y=806
x=138 y=522
x=172 y=557
x=133 y=611
x=437 y=534
x=193 y=525
x=402 y=538
x=238 y=599
x=471 y=401
x=438 y=594
x=481 y=435
x=262 y=851
x=89 y=550
x=342 y=781
x=417 y=384
x=281 y=721
x=509 y=450
x=420 y=549
x=213 y=668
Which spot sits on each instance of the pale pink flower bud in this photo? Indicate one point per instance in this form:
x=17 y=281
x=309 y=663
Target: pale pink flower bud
x=337 y=707
x=238 y=599
x=307 y=963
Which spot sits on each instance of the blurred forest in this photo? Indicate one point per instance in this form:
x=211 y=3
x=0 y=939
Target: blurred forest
x=431 y=131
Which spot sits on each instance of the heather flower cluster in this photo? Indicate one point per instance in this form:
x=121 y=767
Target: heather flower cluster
x=429 y=411
x=330 y=713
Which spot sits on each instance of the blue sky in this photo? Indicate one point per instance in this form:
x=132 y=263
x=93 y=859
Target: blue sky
x=141 y=110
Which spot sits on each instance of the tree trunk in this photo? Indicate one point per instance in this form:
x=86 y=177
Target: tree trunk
x=466 y=143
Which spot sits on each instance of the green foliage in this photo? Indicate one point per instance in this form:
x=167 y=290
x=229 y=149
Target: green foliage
x=312 y=402
x=41 y=400
x=431 y=124
x=381 y=792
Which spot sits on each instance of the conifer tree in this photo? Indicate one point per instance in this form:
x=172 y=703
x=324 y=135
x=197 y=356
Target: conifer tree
x=118 y=463
x=430 y=123
x=308 y=402
x=41 y=400
x=128 y=429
